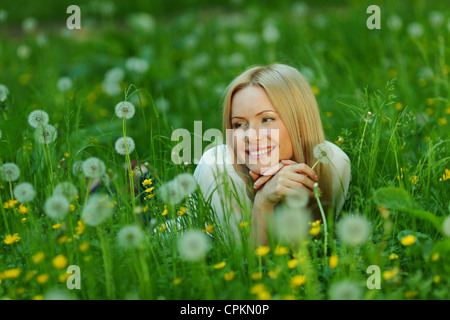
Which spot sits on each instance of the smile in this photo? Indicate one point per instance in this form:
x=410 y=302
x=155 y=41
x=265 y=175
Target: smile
x=256 y=153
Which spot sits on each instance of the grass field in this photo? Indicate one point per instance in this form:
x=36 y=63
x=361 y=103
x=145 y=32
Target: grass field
x=384 y=98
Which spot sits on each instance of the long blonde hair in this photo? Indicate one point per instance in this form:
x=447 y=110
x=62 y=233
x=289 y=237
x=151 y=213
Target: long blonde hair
x=294 y=100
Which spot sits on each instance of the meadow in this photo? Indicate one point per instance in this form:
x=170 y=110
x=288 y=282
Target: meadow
x=135 y=73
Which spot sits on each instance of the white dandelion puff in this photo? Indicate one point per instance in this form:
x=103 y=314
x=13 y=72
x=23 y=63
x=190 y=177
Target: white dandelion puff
x=291 y=226
x=98 y=208
x=130 y=237
x=415 y=30
x=436 y=19
x=125 y=109
x=67 y=189
x=124 y=145
x=4 y=91
x=193 y=245
x=38 y=118
x=115 y=75
x=187 y=183
x=354 y=230
x=394 y=23
x=137 y=65
x=300 y=200
x=345 y=290
x=323 y=153
x=446 y=226
x=57 y=206
x=171 y=193
x=270 y=33
x=64 y=84
x=9 y=171
x=93 y=167
x=45 y=134
x=24 y=192
x=77 y=167
x=29 y=24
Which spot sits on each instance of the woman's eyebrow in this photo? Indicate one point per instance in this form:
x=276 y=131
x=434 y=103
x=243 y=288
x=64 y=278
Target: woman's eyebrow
x=256 y=114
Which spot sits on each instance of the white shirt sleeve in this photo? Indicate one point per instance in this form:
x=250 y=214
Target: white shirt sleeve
x=219 y=182
x=341 y=176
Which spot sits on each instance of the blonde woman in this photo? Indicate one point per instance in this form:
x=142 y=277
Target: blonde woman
x=272 y=125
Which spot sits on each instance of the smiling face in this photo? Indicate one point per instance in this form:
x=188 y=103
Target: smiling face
x=260 y=138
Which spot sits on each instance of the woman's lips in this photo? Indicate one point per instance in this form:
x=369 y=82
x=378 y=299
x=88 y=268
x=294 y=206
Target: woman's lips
x=258 y=153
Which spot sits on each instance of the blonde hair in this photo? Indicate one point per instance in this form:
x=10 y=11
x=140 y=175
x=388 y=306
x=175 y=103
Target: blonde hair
x=294 y=100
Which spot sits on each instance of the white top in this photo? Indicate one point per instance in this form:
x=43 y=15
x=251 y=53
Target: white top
x=217 y=160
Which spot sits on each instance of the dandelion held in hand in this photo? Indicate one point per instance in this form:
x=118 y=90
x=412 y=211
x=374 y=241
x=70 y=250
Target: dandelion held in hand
x=193 y=245
x=93 y=167
x=57 y=206
x=323 y=153
x=45 y=134
x=125 y=110
x=24 y=192
x=130 y=237
x=124 y=145
x=354 y=230
x=38 y=118
x=9 y=172
x=98 y=208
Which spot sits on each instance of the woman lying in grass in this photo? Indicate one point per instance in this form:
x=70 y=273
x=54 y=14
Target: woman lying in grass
x=275 y=150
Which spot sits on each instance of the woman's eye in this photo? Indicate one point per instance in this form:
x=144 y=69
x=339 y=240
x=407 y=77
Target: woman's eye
x=237 y=125
x=266 y=119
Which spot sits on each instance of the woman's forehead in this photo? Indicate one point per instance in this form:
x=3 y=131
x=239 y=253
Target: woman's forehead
x=250 y=101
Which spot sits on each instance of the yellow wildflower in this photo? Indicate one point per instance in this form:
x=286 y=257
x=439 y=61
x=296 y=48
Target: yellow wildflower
x=393 y=256
x=10 y=239
x=389 y=274
x=165 y=212
x=436 y=278
x=334 y=259
x=262 y=251
x=56 y=226
x=72 y=208
x=411 y=294
x=408 y=240
x=84 y=246
x=162 y=228
x=243 y=224
x=257 y=288
x=220 y=265
x=42 y=278
x=229 y=276
x=81 y=225
x=147 y=182
x=11 y=273
x=181 y=211
x=279 y=251
x=264 y=295
x=298 y=280
x=209 y=228
x=38 y=257
x=292 y=263
x=177 y=281
x=148 y=190
x=63 y=277
x=66 y=154
x=257 y=275
x=59 y=261
x=38 y=297
x=23 y=209
x=442 y=121
x=273 y=274
x=435 y=256
x=62 y=239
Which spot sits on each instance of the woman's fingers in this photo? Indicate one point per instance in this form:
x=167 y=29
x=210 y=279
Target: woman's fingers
x=267 y=175
x=253 y=175
x=302 y=168
x=273 y=170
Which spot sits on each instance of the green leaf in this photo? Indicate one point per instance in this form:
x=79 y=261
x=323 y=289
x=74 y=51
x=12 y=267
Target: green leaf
x=394 y=198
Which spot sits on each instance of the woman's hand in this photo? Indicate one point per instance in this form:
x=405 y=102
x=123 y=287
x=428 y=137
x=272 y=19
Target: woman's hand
x=284 y=179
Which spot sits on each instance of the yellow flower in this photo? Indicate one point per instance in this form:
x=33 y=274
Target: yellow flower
x=62 y=239
x=56 y=226
x=298 y=280
x=10 y=239
x=148 y=190
x=72 y=208
x=273 y=274
x=63 y=277
x=334 y=259
x=23 y=209
x=393 y=256
x=229 y=276
x=24 y=220
x=257 y=288
x=435 y=257
x=84 y=246
x=11 y=273
x=181 y=211
x=66 y=154
x=220 y=265
x=279 y=251
x=411 y=294
x=257 y=275
x=42 y=278
x=177 y=281
x=414 y=179
x=59 y=261
x=399 y=106
x=408 y=240
x=292 y=263
x=209 y=228
x=38 y=257
x=442 y=121
x=147 y=182
x=30 y=275
x=243 y=224
x=264 y=295
x=436 y=278
x=81 y=225
x=389 y=274
x=315 y=90
x=38 y=297
x=162 y=228
x=262 y=251
x=165 y=212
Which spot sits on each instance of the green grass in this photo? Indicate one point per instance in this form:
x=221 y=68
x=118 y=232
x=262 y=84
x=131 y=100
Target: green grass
x=399 y=154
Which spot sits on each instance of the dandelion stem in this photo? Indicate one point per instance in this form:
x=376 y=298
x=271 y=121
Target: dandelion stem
x=110 y=290
x=325 y=225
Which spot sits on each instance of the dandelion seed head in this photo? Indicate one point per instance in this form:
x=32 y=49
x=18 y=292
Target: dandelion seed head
x=345 y=290
x=193 y=245
x=98 y=208
x=187 y=182
x=57 y=206
x=45 y=134
x=122 y=144
x=67 y=189
x=24 y=192
x=354 y=230
x=77 y=167
x=9 y=171
x=93 y=167
x=171 y=192
x=125 y=109
x=415 y=30
x=323 y=153
x=38 y=118
x=3 y=92
x=298 y=201
x=130 y=237
x=64 y=84
x=291 y=226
